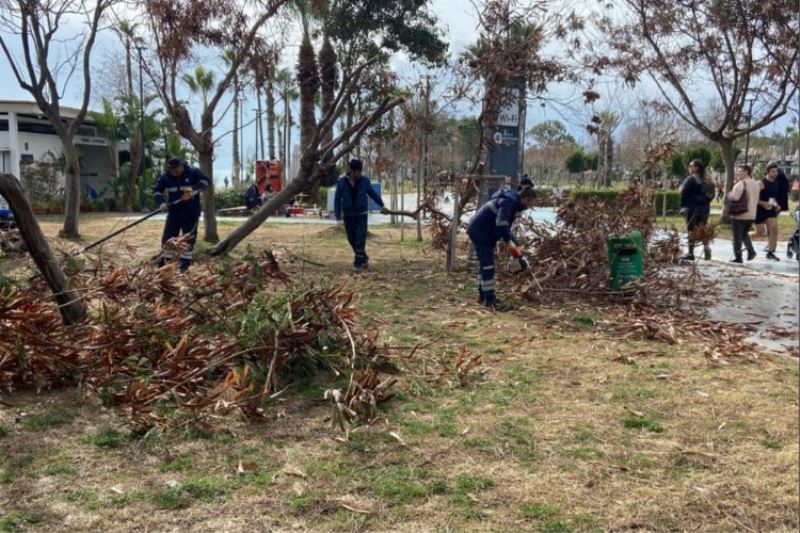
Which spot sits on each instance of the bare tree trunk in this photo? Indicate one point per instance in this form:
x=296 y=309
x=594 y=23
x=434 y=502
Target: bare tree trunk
x=133 y=177
x=71 y=306
x=112 y=159
x=237 y=165
x=72 y=205
x=206 y=159
x=729 y=157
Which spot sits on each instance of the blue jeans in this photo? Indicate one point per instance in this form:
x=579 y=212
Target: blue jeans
x=356 y=228
x=175 y=225
x=486 y=284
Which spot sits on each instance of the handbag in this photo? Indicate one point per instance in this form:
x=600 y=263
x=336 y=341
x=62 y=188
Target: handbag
x=740 y=206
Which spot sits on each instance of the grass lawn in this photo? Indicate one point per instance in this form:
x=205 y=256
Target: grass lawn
x=564 y=427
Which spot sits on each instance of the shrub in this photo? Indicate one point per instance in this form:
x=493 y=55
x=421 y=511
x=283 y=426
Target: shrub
x=225 y=198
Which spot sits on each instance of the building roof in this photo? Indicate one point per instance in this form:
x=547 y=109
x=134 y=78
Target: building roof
x=29 y=107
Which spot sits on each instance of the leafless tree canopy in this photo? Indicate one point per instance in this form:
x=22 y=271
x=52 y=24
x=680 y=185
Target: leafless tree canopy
x=725 y=51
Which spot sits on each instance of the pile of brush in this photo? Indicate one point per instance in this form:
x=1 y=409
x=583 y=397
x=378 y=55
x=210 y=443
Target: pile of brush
x=161 y=346
x=571 y=255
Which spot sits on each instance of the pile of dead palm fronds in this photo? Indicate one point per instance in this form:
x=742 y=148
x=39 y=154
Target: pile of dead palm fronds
x=571 y=255
x=161 y=345
x=570 y=260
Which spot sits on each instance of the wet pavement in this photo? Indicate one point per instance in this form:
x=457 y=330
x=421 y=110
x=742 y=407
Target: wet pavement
x=765 y=300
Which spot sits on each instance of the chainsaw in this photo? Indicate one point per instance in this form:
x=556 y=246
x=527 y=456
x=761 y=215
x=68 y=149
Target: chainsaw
x=521 y=264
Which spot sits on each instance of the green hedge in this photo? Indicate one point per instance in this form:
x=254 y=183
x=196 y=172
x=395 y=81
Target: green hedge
x=611 y=196
x=673 y=202
x=226 y=198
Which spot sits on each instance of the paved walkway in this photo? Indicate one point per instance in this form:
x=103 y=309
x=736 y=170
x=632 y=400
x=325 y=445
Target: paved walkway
x=722 y=251
x=766 y=300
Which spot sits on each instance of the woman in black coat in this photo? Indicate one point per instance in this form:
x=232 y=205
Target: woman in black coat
x=696 y=195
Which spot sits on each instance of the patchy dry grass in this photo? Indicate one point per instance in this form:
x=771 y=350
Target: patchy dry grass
x=563 y=428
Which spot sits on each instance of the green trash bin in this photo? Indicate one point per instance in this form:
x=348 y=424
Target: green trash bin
x=625 y=259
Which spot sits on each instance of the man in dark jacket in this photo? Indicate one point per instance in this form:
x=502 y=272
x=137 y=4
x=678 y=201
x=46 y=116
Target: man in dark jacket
x=351 y=204
x=257 y=193
x=493 y=223
x=180 y=182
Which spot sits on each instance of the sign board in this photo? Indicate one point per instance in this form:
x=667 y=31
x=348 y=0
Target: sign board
x=509 y=113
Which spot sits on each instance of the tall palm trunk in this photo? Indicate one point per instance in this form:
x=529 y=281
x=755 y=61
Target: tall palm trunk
x=260 y=124
x=308 y=79
x=270 y=87
x=237 y=165
x=128 y=65
x=328 y=73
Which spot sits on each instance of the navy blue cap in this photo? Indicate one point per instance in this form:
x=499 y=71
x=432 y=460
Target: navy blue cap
x=174 y=163
x=356 y=164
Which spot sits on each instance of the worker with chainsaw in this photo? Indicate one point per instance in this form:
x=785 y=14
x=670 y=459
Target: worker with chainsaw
x=351 y=205
x=181 y=183
x=490 y=224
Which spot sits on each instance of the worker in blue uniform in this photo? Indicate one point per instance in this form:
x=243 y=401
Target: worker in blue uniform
x=490 y=224
x=351 y=205
x=181 y=183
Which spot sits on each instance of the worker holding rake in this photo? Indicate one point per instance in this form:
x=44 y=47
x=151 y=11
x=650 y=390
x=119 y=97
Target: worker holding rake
x=181 y=183
x=493 y=223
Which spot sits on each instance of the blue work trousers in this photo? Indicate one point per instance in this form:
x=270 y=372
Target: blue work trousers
x=486 y=284
x=356 y=228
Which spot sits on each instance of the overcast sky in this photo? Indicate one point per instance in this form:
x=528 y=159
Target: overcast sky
x=458 y=22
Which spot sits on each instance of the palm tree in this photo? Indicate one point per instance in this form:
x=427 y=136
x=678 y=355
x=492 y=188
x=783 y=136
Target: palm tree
x=284 y=81
x=237 y=90
x=270 y=90
x=202 y=81
x=151 y=128
x=111 y=127
x=608 y=122
x=307 y=78
x=328 y=78
x=126 y=31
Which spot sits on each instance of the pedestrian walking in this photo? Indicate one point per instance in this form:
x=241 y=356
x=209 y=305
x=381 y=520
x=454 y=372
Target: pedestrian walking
x=492 y=223
x=351 y=205
x=742 y=206
x=696 y=195
x=773 y=196
x=181 y=182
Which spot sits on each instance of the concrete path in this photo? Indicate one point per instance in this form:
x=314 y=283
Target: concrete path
x=722 y=252
x=766 y=300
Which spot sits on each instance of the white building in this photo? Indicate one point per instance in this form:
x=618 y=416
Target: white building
x=26 y=137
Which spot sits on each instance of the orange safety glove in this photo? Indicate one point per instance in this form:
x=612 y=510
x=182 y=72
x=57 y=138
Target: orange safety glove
x=514 y=250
